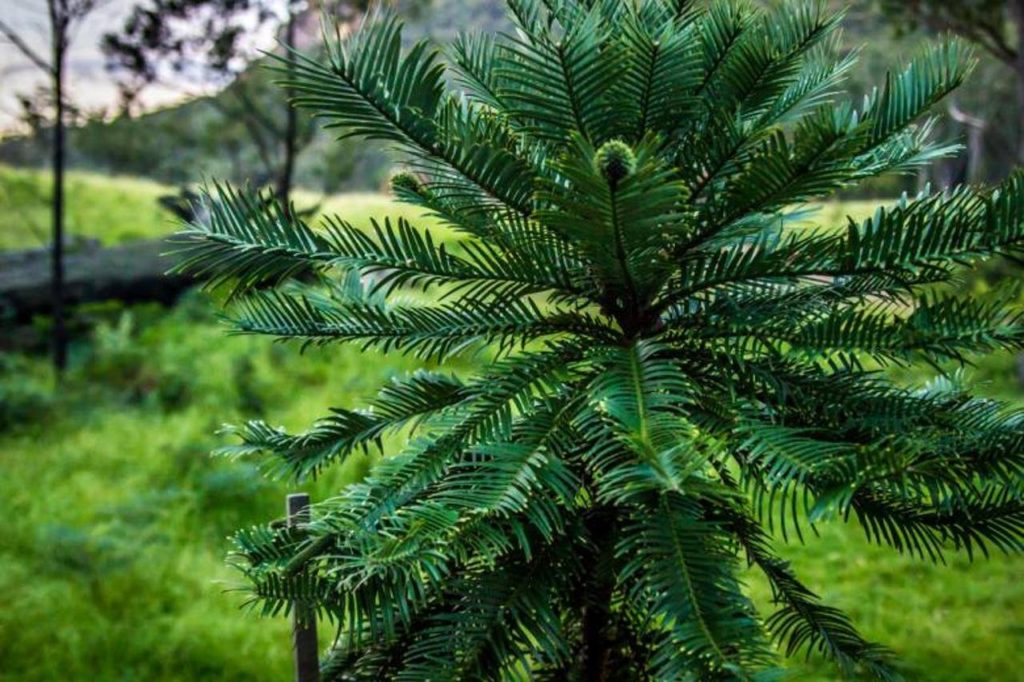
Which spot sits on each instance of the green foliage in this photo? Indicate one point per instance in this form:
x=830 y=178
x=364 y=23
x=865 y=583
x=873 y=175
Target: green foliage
x=25 y=397
x=135 y=558
x=112 y=563
x=679 y=366
x=142 y=591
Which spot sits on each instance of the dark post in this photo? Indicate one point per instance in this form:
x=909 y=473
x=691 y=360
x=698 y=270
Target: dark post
x=1017 y=14
x=59 y=27
x=284 y=183
x=307 y=660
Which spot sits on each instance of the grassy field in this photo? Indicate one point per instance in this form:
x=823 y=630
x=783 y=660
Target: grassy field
x=119 y=209
x=116 y=517
x=112 y=559
x=110 y=209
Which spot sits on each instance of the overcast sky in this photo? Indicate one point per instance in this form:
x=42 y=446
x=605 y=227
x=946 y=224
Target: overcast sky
x=90 y=86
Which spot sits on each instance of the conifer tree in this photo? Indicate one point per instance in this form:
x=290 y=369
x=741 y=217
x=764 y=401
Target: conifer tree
x=678 y=367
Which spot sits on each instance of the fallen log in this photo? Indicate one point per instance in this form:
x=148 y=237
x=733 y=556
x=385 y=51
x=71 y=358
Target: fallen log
x=133 y=273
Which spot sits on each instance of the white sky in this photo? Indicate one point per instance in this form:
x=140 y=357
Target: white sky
x=90 y=86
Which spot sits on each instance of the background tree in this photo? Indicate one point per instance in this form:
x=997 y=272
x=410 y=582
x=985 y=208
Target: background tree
x=997 y=26
x=213 y=42
x=63 y=17
x=681 y=365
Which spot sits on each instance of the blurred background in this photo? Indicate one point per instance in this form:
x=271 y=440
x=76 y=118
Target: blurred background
x=115 y=379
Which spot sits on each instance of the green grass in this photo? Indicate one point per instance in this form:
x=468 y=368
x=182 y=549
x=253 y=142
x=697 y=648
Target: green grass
x=110 y=209
x=115 y=517
x=115 y=209
x=112 y=559
x=835 y=213
x=957 y=623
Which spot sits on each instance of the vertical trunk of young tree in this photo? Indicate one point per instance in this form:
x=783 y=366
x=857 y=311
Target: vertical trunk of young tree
x=284 y=185
x=597 y=597
x=60 y=340
x=1017 y=14
x=975 y=140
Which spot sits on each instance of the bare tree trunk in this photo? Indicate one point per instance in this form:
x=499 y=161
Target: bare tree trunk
x=60 y=335
x=975 y=139
x=1017 y=13
x=284 y=184
x=597 y=618
x=253 y=125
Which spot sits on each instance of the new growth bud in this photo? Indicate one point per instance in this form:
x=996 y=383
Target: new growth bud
x=615 y=161
x=404 y=180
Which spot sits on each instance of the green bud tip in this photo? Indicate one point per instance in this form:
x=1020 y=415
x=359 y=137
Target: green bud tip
x=615 y=161
x=404 y=180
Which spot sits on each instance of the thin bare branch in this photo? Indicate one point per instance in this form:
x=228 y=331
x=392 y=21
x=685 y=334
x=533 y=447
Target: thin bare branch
x=8 y=32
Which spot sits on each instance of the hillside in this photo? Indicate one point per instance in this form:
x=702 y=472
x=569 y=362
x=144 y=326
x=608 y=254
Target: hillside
x=110 y=209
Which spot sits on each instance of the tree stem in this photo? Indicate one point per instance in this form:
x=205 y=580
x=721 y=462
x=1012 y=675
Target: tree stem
x=58 y=27
x=598 y=589
x=284 y=183
x=1017 y=14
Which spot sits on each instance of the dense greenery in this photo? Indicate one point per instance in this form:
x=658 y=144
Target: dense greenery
x=129 y=540
x=112 y=562
x=678 y=364
x=143 y=592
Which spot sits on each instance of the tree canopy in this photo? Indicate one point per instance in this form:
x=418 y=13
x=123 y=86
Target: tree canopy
x=683 y=368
